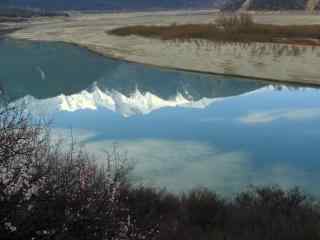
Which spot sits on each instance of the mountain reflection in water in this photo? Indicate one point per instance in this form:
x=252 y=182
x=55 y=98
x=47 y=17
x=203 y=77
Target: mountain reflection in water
x=182 y=129
x=36 y=71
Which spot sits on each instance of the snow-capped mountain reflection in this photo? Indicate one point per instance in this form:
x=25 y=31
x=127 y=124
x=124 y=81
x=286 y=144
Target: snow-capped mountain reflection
x=137 y=103
x=59 y=77
x=132 y=103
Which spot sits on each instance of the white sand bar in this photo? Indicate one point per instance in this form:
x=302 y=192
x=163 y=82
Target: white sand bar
x=277 y=62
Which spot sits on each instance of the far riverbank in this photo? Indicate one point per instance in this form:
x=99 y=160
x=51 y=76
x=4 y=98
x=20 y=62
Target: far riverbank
x=270 y=61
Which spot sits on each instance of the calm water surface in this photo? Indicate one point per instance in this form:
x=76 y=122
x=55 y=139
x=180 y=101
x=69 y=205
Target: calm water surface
x=181 y=129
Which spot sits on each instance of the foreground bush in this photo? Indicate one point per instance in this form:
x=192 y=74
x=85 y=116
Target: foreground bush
x=47 y=193
x=258 y=213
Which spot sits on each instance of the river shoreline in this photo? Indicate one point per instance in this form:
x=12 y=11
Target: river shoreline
x=269 y=62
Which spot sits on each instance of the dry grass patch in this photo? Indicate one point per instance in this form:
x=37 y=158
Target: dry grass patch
x=229 y=29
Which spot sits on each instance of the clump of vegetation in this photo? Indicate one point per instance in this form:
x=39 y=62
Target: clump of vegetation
x=48 y=193
x=235 y=21
x=237 y=28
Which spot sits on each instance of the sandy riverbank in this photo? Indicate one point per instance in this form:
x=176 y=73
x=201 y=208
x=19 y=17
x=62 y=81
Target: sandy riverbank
x=267 y=61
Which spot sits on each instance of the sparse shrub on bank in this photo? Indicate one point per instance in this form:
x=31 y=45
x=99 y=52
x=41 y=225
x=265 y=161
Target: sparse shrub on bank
x=47 y=193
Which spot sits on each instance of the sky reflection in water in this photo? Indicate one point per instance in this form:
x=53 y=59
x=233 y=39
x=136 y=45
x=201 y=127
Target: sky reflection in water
x=181 y=129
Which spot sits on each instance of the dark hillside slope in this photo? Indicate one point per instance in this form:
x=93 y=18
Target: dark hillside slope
x=272 y=5
x=278 y=5
x=10 y=12
x=112 y=4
